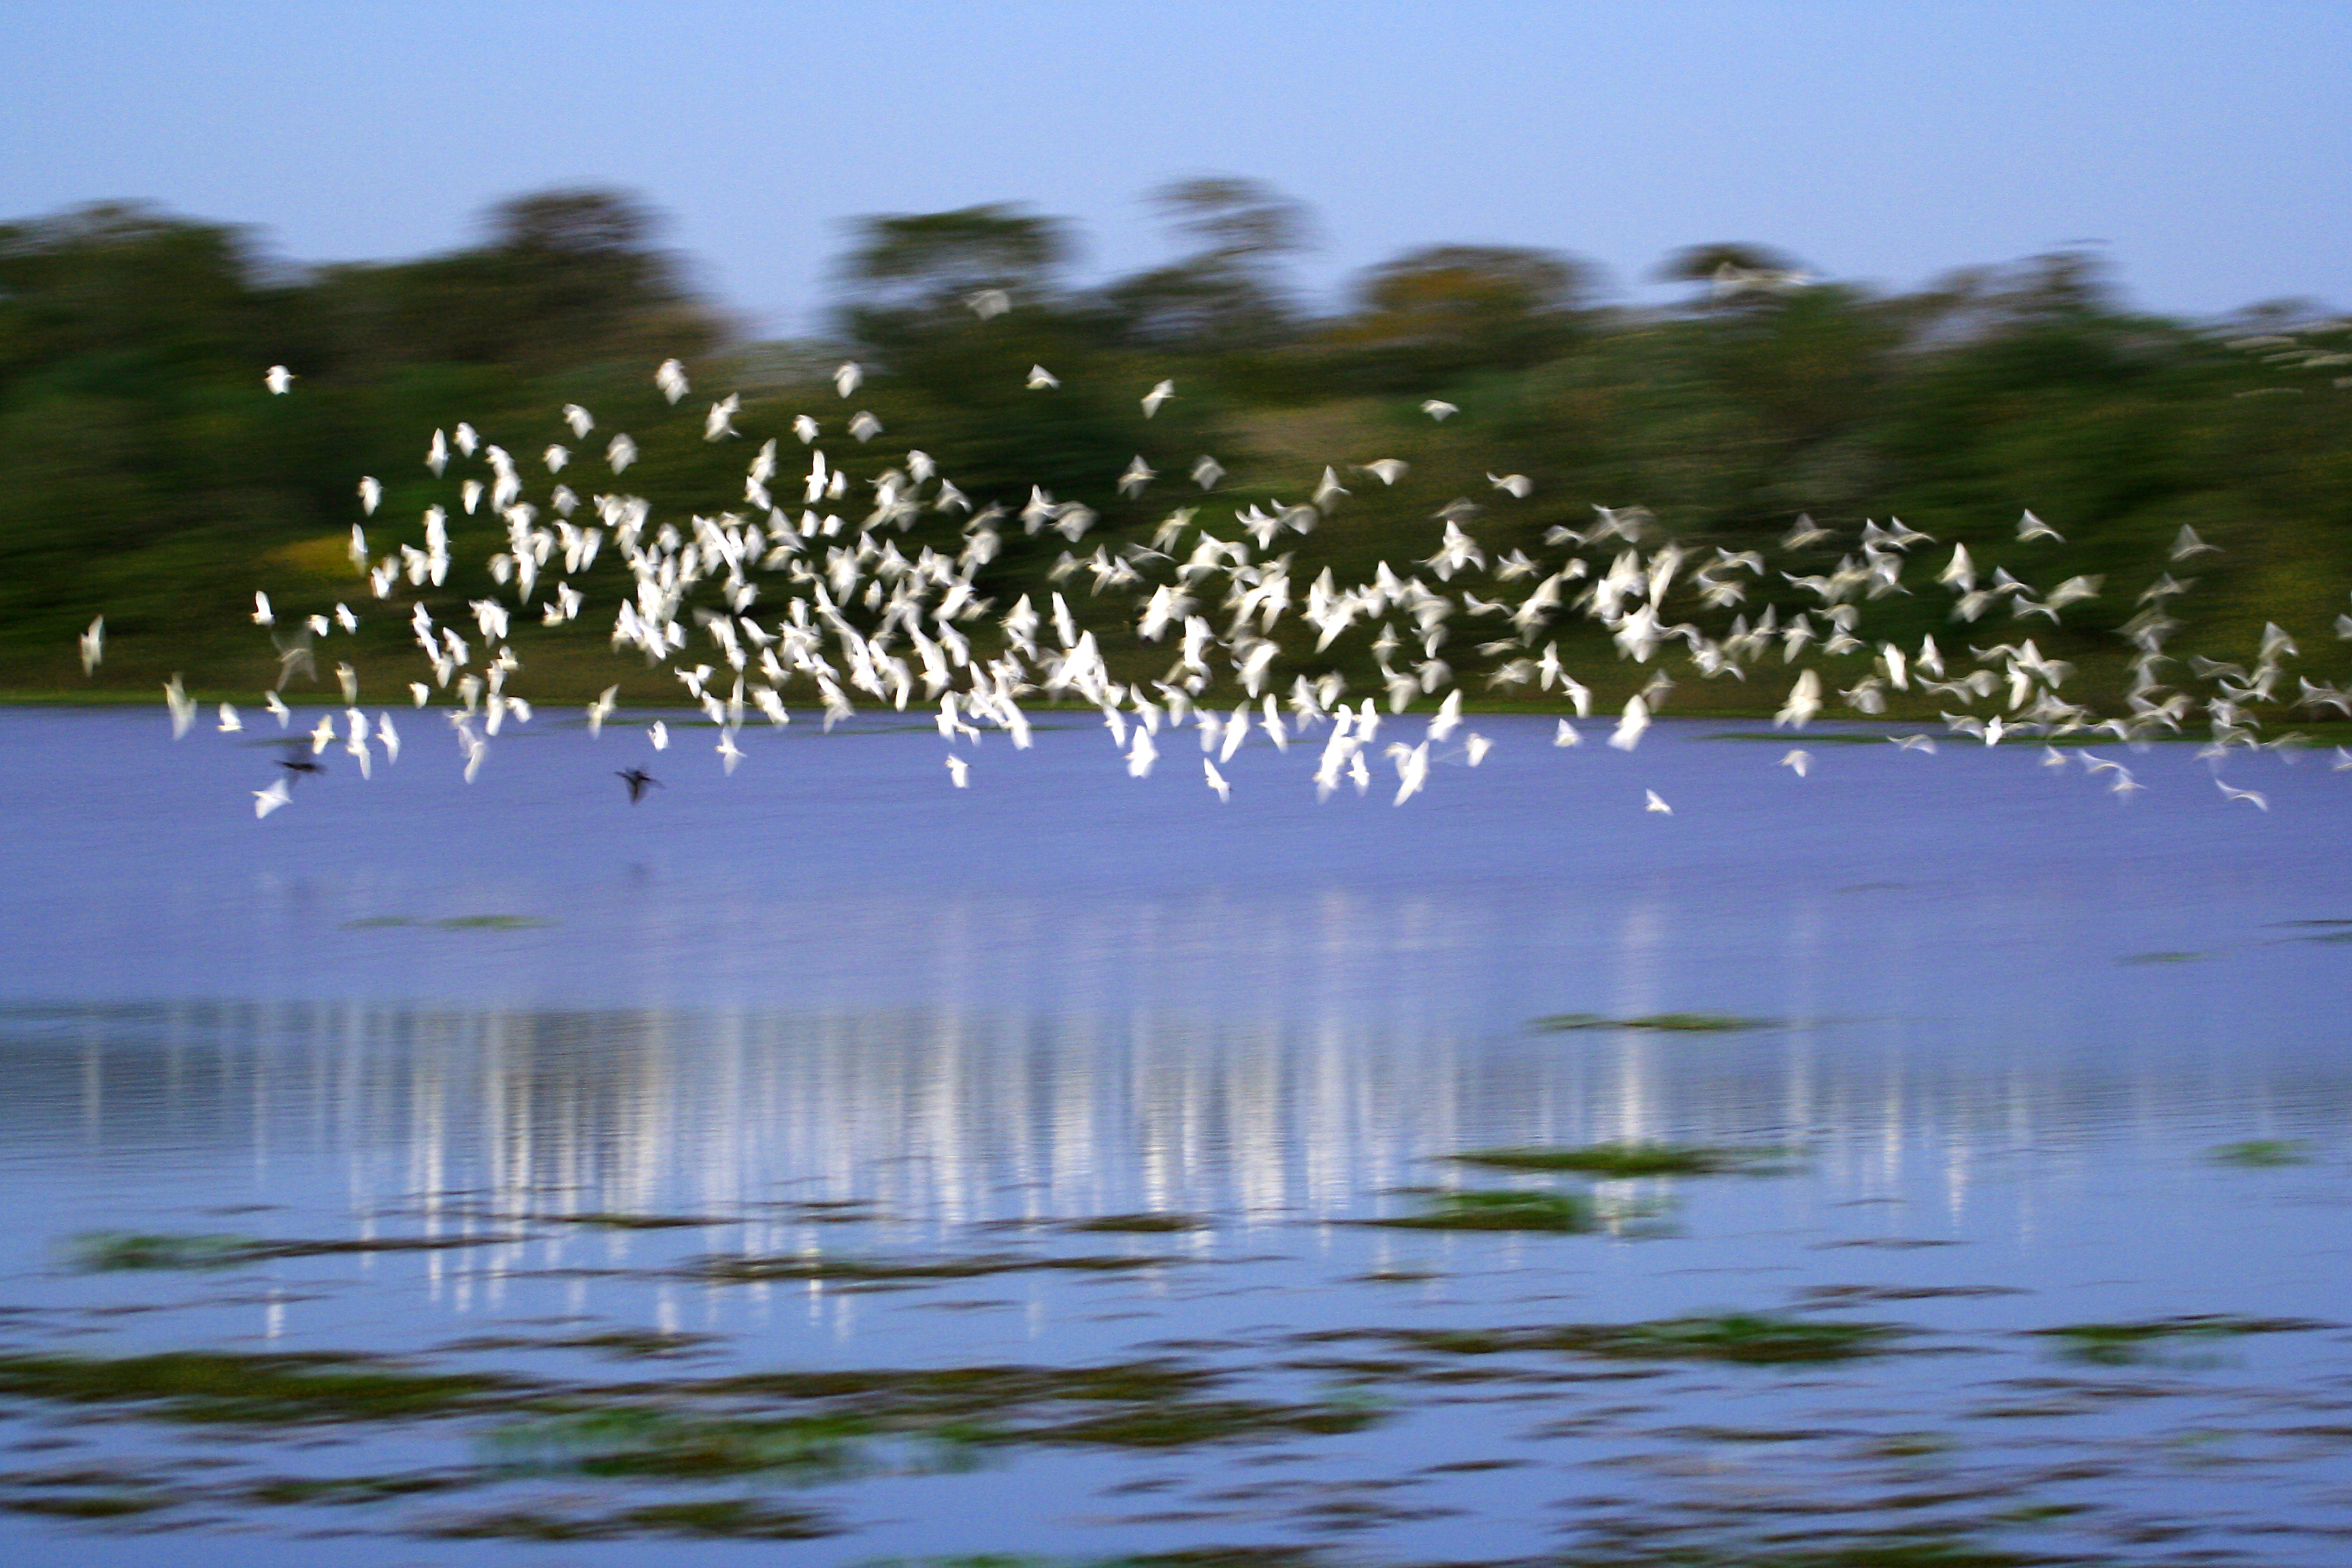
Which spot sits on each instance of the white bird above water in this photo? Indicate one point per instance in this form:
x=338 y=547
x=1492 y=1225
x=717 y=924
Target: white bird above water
x=1631 y=725
x=1652 y=802
x=959 y=770
x=1797 y=762
x=1216 y=779
x=183 y=706
x=266 y=801
x=659 y=736
x=2251 y=798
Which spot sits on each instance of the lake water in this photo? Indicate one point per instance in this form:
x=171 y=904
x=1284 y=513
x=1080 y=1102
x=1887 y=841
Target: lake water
x=824 y=1164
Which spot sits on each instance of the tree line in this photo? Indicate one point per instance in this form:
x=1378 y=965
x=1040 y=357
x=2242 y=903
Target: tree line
x=150 y=477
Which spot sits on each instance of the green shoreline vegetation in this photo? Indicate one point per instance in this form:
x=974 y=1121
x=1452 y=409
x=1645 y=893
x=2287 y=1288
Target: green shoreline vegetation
x=154 y=481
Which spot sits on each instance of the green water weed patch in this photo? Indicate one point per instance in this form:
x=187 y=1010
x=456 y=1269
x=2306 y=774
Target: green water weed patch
x=2124 y=1344
x=1671 y=1023
x=1629 y=1159
x=1563 y=1213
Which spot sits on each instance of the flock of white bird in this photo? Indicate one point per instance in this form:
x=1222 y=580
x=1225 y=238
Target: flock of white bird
x=851 y=615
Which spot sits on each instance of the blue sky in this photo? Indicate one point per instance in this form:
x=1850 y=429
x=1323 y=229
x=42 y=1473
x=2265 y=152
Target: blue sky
x=2205 y=144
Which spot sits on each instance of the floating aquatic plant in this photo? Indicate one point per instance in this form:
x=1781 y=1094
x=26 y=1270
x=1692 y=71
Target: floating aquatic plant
x=1501 y=1210
x=719 y=1518
x=226 y=1386
x=2263 y=1154
x=1144 y=1224
x=450 y=922
x=1631 y=1159
x=110 y=1251
x=647 y=1441
x=1751 y=1338
x=2119 y=1344
x=744 y=1269
x=1678 y=1023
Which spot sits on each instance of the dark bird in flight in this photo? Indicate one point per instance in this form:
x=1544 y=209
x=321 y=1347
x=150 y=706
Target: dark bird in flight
x=299 y=766
x=638 y=780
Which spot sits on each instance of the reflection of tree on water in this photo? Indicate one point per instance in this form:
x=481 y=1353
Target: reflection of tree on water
x=940 y=1117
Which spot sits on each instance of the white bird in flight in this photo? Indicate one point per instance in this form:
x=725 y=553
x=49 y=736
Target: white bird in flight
x=960 y=771
x=1216 y=779
x=579 y=418
x=670 y=377
x=1797 y=762
x=266 y=801
x=1156 y=396
x=1652 y=802
x=1040 y=379
x=2251 y=798
x=847 y=377
x=370 y=493
x=1437 y=408
x=278 y=379
x=721 y=420
x=986 y=303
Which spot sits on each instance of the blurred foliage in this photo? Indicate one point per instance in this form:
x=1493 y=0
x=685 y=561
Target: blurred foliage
x=151 y=476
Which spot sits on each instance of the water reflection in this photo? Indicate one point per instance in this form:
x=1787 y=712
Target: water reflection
x=944 y=1118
